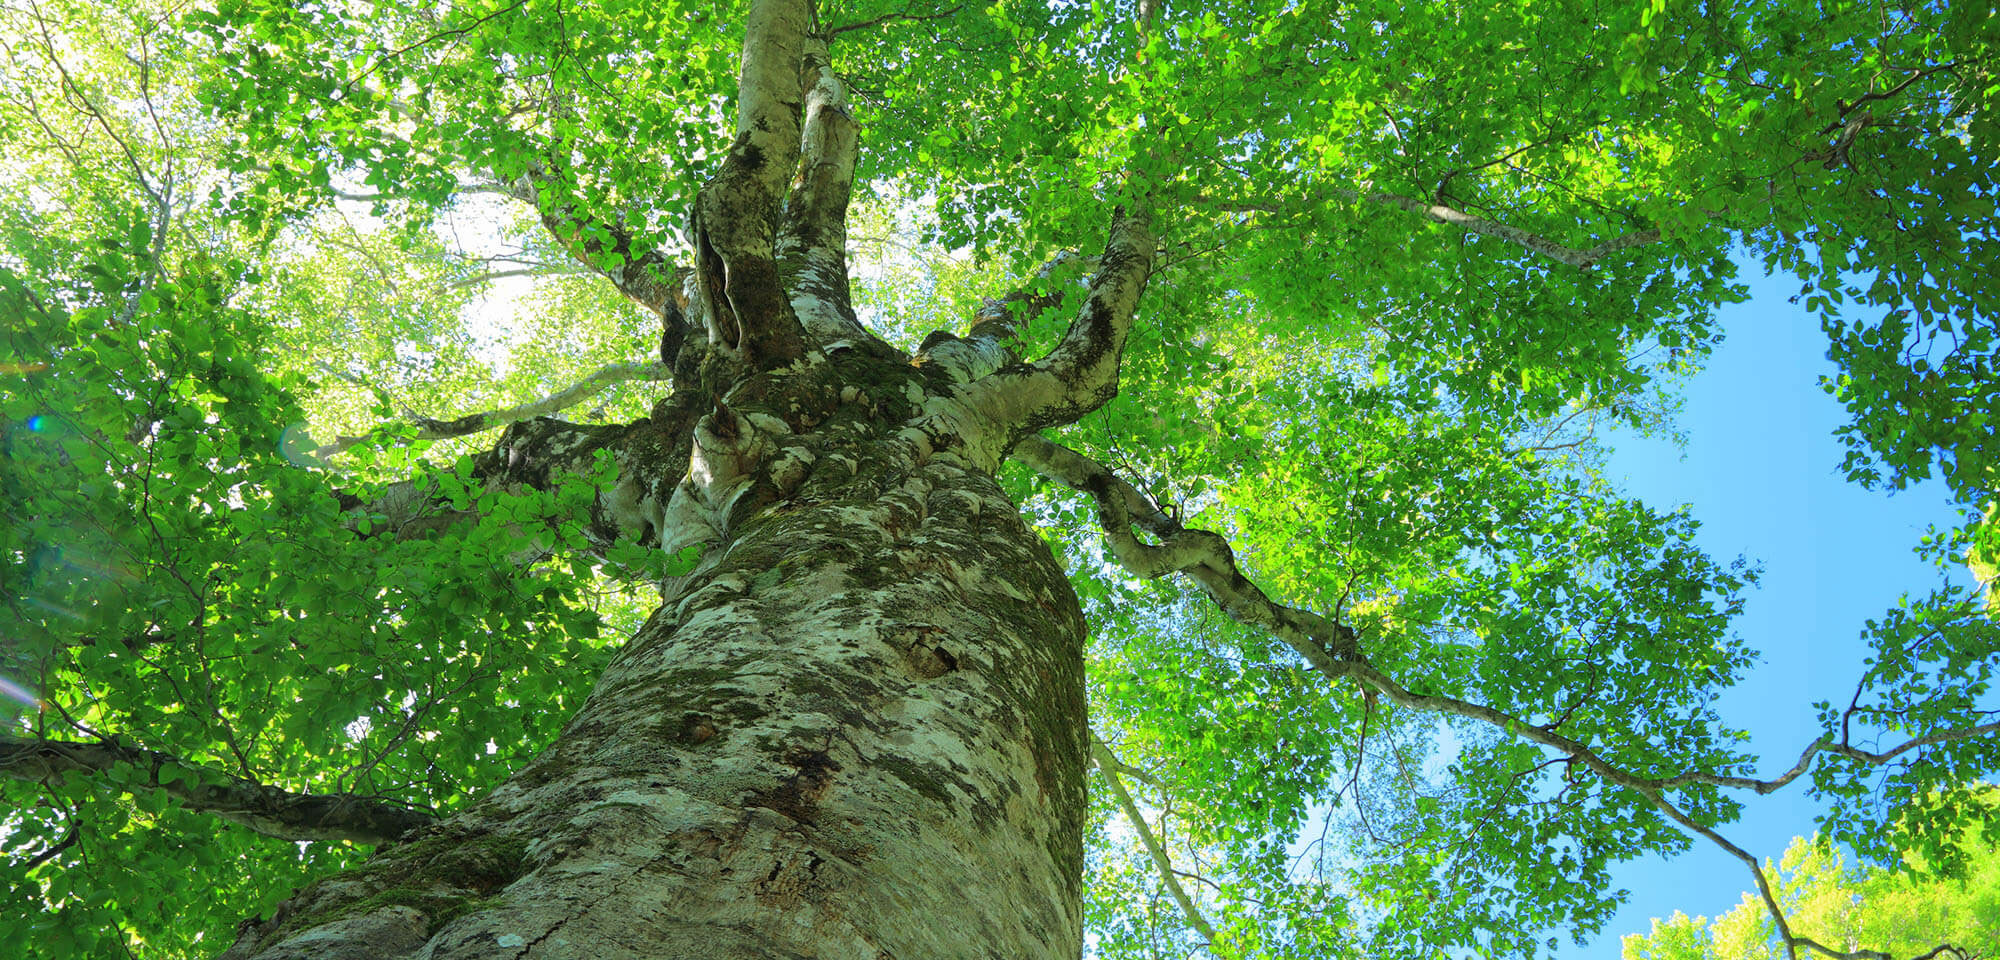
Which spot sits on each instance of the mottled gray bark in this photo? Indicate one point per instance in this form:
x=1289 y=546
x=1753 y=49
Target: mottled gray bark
x=856 y=730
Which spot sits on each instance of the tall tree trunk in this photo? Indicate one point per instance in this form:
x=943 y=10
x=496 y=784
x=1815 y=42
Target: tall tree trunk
x=857 y=730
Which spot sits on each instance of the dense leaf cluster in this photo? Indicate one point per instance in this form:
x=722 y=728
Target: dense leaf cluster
x=182 y=578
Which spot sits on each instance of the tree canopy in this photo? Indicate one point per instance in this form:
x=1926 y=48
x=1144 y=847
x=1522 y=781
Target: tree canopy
x=272 y=272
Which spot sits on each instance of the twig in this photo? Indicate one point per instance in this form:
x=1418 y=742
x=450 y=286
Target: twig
x=1581 y=258
x=900 y=16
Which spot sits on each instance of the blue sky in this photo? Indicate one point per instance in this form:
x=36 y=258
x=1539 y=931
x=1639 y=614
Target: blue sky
x=1761 y=470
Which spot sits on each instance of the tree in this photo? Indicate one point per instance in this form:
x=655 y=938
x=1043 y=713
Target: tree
x=1289 y=326
x=1846 y=908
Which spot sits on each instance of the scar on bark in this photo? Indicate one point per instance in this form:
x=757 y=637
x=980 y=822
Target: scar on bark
x=931 y=662
x=798 y=796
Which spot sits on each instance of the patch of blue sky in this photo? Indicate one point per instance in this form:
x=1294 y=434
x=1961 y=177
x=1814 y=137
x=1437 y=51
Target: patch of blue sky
x=1761 y=471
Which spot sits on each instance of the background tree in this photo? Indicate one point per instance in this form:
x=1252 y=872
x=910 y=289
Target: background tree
x=1846 y=907
x=1316 y=307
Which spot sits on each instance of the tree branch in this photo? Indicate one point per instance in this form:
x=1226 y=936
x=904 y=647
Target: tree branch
x=537 y=453
x=55 y=849
x=1110 y=766
x=1581 y=258
x=266 y=810
x=1324 y=643
x=1081 y=373
x=812 y=241
x=642 y=273
x=999 y=322
x=903 y=15
x=1205 y=556
x=1915 y=75
x=589 y=386
x=740 y=296
x=1332 y=649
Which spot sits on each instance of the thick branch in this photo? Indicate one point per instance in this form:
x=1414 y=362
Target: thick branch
x=1110 y=766
x=1004 y=318
x=1322 y=642
x=584 y=389
x=651 y=456
x=1086 y=361
x=641 y=272
x=988 y=346
x=736 y=212
x=266 y=810
x=538 y=453
x=1081 y=373
x=812 y=244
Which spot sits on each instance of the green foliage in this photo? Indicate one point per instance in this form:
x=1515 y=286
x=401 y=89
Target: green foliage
x=179 y=582
x=182 y=576
x=235 y=231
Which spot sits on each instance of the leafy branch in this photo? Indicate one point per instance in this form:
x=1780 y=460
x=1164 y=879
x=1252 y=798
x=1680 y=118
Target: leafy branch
x=1331 y=648
x=1111 y=767
x=641 y=272
x=429 y=428
x=267 y=810
x=900 y=16
x=1582 y=258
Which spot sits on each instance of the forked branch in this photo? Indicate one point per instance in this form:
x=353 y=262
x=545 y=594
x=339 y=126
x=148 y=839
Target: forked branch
x=1081 y=373
x=741 y=300
x=1000 y=322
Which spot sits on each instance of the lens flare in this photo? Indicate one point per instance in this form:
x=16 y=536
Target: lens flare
x=16 y=692
x=55 y=608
